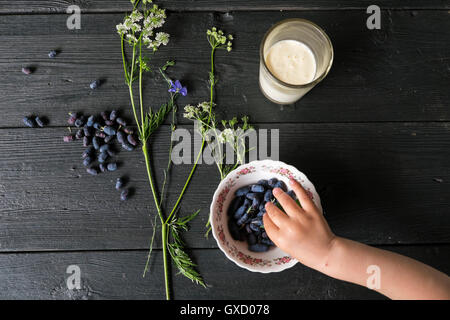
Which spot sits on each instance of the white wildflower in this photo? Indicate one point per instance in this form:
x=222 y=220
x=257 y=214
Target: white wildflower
x=162 y=38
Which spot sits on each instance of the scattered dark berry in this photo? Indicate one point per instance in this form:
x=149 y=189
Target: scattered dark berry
x=119 y=183
x=87 y=131
x=87 y=161
x=88 y=152
x=110 y=131
x=40 y=122
x=109 y=122
x=104 y=115
x=92 y=171
x=112 y=166
x=108 y=139
x=90 y=121
x=102 y=157
x=121 y=122
x=97 y=126
x=132 y=140
x=28 y=122
x=100 y=135
x=124 y=195
x=128 y=130
x=86 y=141
x=96 y=143
x=52 y=54
x=94 y=84
x=127 y=146
x=80 y=134
x=79 y=122
x=113 y=115
x=121 y=137
x=102 y=167
x=27 y=70
x=104 y=148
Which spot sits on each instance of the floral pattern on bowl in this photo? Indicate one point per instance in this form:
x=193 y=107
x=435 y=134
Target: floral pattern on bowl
x=275 y=259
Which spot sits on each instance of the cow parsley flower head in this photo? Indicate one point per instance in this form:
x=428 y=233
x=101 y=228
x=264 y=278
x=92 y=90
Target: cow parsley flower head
x=139 y=26
x=218 y=39
x=226 y=135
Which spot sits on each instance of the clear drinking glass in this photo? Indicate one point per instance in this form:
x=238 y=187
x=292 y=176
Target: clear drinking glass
x=312 y=36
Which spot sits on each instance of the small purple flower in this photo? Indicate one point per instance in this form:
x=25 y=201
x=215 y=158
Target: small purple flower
x=178 y=88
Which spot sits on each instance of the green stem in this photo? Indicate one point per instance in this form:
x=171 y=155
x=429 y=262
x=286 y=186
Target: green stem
x=150 y=179
x=130 y=89
x=164 y=236
x=140 y=82
x=123 y=59
x=201 y=147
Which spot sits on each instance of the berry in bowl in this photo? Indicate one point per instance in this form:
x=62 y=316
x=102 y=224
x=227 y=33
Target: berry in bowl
x=237 y=213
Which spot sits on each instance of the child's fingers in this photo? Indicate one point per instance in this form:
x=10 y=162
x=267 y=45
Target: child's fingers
x=270 y=227
x=276 y=215
x=289 y=205
x=305 y=201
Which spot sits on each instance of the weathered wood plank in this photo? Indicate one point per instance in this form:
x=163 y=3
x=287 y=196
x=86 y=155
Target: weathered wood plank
x=118 y=275
x=398 y=73
x=380 y=183
x=60 y=6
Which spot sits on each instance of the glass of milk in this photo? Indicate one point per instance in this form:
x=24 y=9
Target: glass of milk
x=295 y=55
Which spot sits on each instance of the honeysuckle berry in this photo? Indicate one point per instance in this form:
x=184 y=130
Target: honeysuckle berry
x=28 y=122
x=52 y=54
x=94 y=84
x=119 y=183
x=112 y=166
x=40 y=122
x=27 y=70
x=92 y=171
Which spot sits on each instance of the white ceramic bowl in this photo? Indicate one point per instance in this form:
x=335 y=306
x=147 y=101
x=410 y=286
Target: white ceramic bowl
x=273 y=260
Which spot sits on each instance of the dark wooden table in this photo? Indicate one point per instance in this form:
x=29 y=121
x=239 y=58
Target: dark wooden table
x=374 y=137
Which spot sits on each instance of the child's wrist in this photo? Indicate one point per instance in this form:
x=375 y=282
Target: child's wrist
x=327 y=263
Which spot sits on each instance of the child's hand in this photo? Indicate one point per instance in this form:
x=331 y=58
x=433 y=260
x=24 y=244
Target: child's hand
x=302 y=232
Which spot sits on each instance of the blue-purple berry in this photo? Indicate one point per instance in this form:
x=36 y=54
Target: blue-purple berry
x=40 y=122
x=121 y=122
x=132 y=140
x=27 y=70
x=92 y=171
x=28 y=122
x=110 y=131
x=94 y=84
x=119 y=183
x=112 y=166
x=113 y=115
x=127 y=146
x=121 y=137
x=124 y=195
